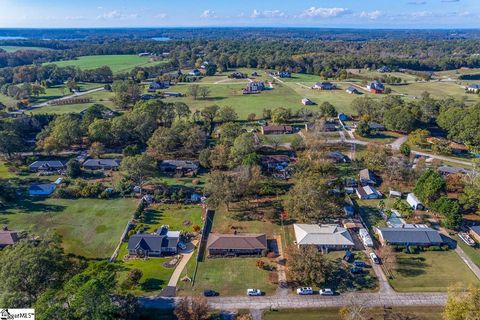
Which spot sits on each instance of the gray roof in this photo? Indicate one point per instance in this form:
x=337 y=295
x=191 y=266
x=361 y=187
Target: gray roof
x=8 y=237
x=180 y=164
x=367 y=174
x=45 y=165
x=101 y=163
x=147 y=242
x=313 y=234
x=474 y=86
x=416 y=235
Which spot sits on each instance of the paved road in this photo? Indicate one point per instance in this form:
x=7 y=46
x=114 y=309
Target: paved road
x=296 y=302
x=75 y=95
x=475 y=269
x=398 y=142
x=434 y=156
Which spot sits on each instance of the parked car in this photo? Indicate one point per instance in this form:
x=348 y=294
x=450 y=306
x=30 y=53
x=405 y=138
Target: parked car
x=254 y=292
x=326 y=292
x=210 y=293
x=182 y=245
x=356 y=270
x=374 y=258
x=360 y=264
x=305 y=291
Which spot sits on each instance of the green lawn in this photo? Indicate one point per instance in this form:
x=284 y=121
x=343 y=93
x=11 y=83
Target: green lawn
x=431 y=271
x=59 y=91
x=154 y=275
x=8 y=101
x=472 y=252
x=18 y=48
x=282 y=138
x=118 y=63
x=383 y=137
x=4 y=173
x=229 y=277
x=421 y=313
x=436 y=89
x=89 y=227
x=177 y=217
x=231 y=95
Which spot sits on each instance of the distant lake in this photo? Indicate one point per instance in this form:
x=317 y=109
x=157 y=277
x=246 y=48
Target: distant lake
x=11 y=38
x=161 y=39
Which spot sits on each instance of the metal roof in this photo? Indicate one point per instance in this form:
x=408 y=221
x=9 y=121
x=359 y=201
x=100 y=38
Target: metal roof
x=425 y=236
x=322 y=235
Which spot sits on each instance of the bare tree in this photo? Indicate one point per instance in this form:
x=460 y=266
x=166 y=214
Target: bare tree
x=356 y=309
x=191 y=308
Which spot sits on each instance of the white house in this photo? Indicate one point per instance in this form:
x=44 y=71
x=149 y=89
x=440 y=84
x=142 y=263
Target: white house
x=414 y=203
x=325 y=237
x=368 y=192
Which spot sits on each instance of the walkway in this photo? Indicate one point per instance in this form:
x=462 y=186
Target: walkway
x=475 y=269
x=179 y=268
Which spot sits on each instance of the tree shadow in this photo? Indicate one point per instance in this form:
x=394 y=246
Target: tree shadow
x=152 y=284
x=153 y=216
x=411 y=266
x=31 y=206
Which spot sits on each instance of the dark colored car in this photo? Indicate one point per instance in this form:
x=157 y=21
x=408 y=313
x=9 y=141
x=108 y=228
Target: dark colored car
x=356 y=270
x=360 y=264
x=210 y=293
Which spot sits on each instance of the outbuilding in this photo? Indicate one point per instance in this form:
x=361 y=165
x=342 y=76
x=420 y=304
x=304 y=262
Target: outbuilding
x=414 y=203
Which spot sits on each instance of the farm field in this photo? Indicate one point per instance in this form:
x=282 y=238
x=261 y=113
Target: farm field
x=430 y=271
x=18 y=48
x=421 y=313
x=89 y=227
x=118 y=63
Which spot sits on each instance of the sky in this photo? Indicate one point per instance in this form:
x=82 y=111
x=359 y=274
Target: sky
x=271 y=13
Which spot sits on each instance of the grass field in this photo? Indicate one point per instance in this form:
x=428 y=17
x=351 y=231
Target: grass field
x=420 y=313
x=18 y=48
x=89 y=227
x=118 y=63
x=4 y=173
x=56 y=92
x=430 y=271
x=229 y=277
x=472 y=252
x=177 y=217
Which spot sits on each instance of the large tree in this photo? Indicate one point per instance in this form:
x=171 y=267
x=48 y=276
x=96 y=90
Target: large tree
x=462 y=304
x=429 y=187
x=138 y=168
x=61 y=133
x=308 y=267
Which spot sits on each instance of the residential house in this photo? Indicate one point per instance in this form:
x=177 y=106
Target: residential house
x=159 y=243
x=352 y=90
x=409 y=235
x=367 y=178
x=368 y=192
x=324 y=237
x=475 y=233
x=8 y=237
x=365 y=236
x=414 y=203
x=195 y=72
x=41 y=190
x=384 y=69
x=158 y=85
x=324 y=86
x=236 y=244
x=44 y=166
x=475 y=88
x=283 y=74
x=180 y=166
x=338 y=157
x=374 y=126
x=275 y=162
x=323 y=127
x=375 y=87
x=447 y=170
x=307 y=102
x=101 y=164
x=277 y=129
x=458 y=148
x=254 y=87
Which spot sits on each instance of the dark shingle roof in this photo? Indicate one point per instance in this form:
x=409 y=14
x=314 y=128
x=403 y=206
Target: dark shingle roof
x=147 y=242
x=45 y=165
x=425 y=236
x=237 y=241
x=181 y=164
x=101 y=163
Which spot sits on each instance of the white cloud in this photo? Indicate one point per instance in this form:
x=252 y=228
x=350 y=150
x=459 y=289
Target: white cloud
x=417 y=2
x=268 y=14
x=160 y=16
x=117 y=15
x=208 y=14
x=422 y=14
x=314 y=12
x=373 y=15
